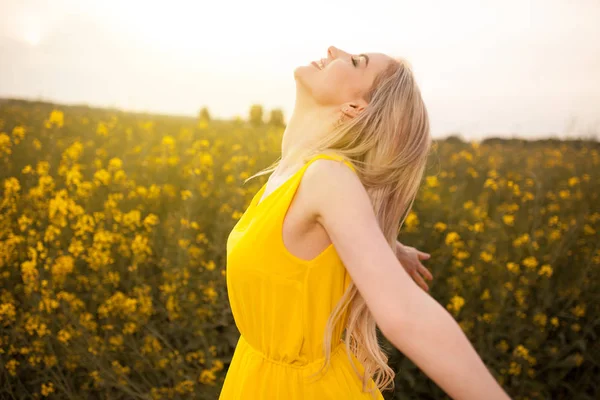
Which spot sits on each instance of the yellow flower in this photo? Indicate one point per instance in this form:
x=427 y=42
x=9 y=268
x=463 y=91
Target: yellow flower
x=7 y=313
x=578 y=358
x=412 y=220
x=579 y=310
x=150 y=221
x=120 y=369
x=588 y=230
x=95 y=375
x=102 y=177
x=540 y=319
x=186 y=194
x=102 y=129
x=47 y=389
x=487 y=317
x=186 y=386
x=210 y=294
x=63 y=265
x=530 y=262
x=207 y=377
x=64 y=336
x=545 y=270
x=432 y=181
x=115 y=164
x=18 y=132
x=210 y=265
x=491 y=183
x=485 y=295
x=151 y=345
x=131 y=220
x=11 y=367
x=521 y=240
x=521 y=351
x=452 y=237
x=502 y=346
x=440 y=226
x=168 y=141
x=11 y=187
x=509 y=219
x=206 y=160
x=554 y=321
x=515 y=368
x=485 y=256
x=50 y=361
x=57 y=119
x=478 y=226
x=116 y=341
x=456 y=303
x=217 y=365
x=140 y=246
x=129 y=328
x=513 y=267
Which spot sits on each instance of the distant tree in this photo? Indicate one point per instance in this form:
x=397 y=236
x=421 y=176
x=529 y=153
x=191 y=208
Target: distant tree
x=455 y=138
x=204 y=115
x=256 y=115
x=276 y=117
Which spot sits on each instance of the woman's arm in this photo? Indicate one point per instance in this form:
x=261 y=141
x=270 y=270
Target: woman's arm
x=408 y=316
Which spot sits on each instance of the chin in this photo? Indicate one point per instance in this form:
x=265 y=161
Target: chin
x=301 y=76
x=302 y=70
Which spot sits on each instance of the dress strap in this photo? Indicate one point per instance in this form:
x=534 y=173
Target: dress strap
x=293 y=180
x=280 y=206
x=331 y=157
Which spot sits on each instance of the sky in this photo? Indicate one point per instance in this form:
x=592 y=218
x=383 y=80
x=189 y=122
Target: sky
x=506 y=68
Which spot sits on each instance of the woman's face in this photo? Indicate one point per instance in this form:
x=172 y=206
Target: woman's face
x=344 y=78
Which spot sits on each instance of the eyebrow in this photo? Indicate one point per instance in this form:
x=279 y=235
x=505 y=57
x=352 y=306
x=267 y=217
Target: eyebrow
x=365 y=56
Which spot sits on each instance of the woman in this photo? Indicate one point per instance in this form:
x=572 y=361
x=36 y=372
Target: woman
x=313 y=265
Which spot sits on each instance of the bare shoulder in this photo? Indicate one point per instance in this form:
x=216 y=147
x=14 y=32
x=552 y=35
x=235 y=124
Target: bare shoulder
x=329 y=182
x=340 y=203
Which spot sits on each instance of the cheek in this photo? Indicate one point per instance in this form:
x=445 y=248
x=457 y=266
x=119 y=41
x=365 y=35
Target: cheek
x=337 y=84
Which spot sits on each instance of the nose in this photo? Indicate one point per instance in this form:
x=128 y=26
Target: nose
x=331 y=51
x=334 y=52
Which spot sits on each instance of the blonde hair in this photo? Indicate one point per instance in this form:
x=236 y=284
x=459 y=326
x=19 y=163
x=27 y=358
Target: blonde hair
x=388 y=143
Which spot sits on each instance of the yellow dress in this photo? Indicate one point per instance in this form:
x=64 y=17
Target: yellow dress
x=280 y=304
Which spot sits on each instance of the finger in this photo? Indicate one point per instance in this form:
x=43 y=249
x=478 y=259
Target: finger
x=421 y=282
x=423 y=270
x=423 y=256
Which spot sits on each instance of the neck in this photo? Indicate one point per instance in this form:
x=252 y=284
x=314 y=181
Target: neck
x=308 y=123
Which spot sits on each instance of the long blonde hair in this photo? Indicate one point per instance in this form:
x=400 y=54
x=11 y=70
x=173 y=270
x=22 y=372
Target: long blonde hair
x=388 y=143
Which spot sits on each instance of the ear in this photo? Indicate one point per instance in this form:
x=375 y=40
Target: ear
x=352 y=109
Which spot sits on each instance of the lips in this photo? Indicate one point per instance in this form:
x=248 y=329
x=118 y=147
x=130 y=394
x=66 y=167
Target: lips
x=316 y=65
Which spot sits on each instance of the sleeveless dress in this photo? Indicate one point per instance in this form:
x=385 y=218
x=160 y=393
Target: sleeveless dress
x=280 y=304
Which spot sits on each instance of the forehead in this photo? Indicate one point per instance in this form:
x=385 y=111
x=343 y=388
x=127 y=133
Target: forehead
x=378 y=62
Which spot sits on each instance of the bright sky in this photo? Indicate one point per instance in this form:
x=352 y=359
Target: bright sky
x=524 y=67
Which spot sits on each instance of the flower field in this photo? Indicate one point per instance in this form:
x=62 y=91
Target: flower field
x=112 y=254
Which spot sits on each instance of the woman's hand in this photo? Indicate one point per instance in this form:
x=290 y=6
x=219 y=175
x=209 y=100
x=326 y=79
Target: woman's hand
x=410 y=258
